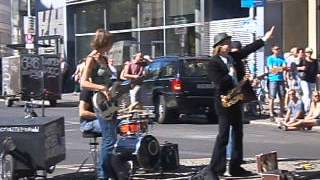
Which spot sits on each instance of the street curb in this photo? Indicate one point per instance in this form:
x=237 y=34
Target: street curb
x=259 y=122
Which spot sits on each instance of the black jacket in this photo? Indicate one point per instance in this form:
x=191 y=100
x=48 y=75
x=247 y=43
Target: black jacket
x=218 y=71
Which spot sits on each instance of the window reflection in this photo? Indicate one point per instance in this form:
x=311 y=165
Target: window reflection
x=151 y=13
x=82 y=47
x=180 y=11
x=174 y=42
x=89 y=18
x=122 y=14
x=151 y=43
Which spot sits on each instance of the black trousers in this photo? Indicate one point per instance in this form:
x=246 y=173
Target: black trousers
x=227 y=117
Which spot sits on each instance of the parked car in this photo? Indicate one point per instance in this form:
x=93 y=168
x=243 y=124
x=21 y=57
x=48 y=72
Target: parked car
x=178 y=86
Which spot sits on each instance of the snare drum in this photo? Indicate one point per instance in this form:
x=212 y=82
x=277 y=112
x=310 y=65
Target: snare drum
x=144 y=149
x=130 y=127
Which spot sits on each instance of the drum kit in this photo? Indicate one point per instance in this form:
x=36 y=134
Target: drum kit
x=134 y=143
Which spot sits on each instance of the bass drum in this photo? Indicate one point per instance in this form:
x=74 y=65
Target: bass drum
x=145 y=149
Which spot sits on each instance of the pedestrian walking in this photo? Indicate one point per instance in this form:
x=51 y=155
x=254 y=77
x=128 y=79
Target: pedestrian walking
x=225 y=70
x=135 y=73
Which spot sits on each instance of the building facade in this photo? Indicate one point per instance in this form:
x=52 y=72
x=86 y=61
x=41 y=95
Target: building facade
x=5 y=26
x=155 y=27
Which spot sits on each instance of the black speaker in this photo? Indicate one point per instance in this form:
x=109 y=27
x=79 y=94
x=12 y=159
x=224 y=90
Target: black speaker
x=169 y=159
x=41 y=140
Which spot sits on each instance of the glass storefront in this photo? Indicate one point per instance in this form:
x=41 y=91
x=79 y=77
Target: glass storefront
x=151 y=26
x=180 y=11
x=180 y=41
x=89 y=17
x=82 y=46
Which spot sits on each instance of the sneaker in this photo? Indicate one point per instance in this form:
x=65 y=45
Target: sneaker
x=240 y=172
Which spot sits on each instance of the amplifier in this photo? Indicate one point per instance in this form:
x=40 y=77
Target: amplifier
x=169 y=156
x=42 y=139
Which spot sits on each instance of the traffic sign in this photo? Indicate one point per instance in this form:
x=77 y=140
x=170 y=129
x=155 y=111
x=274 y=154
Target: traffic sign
x=29 y=38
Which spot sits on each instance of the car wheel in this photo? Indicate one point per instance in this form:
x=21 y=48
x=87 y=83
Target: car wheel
x=7 y=167
x=163 y=114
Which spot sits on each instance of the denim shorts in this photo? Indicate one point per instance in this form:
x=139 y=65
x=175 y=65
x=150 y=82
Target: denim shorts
x=277 y=87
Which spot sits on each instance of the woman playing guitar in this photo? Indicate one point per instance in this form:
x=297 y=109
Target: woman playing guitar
x=96 y=77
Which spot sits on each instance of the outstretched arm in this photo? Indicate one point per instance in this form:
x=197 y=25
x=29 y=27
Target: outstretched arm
x=250 y=48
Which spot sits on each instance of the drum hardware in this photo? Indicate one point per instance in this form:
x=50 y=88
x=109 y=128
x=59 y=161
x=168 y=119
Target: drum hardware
x=144 y=150
x=132 y=127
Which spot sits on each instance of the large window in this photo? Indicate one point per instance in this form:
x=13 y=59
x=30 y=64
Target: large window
x=227 y=9
x=130 y=14
x=122 y=14
x=151 y=13
x=89 y=18
x=151 y=42
x=180 y=42
x=181 y=11
x=82 y=47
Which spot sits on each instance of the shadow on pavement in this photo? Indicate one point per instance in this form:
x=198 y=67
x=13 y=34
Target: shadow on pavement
x=75 y=176
x=67 y=104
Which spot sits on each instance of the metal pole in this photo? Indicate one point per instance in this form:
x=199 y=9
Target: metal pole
x=42 y=92
x=29 y=8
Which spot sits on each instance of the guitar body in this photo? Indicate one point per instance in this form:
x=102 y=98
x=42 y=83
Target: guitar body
x=106 y=108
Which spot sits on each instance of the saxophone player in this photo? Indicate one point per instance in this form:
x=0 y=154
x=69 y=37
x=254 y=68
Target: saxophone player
x=225 y=70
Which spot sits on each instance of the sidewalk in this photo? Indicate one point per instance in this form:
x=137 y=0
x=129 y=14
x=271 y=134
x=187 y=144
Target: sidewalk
x=188 y=167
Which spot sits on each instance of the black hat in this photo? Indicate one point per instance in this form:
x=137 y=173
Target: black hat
x=219 y=38
x=236 y=45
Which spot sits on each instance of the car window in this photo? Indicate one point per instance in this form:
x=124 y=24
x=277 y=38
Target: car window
x=195 y=67
x=152 y=70
x=168 y=69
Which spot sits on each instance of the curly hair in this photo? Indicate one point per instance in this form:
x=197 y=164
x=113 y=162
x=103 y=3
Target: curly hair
x=102 y=39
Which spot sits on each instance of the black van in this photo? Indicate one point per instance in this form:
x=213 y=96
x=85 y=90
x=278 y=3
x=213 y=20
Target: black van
x=178 y=86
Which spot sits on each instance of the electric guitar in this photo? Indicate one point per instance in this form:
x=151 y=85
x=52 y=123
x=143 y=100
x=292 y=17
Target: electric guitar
x=106 y=108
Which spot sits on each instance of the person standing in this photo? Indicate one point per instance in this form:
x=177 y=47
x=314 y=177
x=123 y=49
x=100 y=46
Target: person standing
x=276 y=76
x=64 y=69
x=135 y=72
x=235 y=47
x=225 y=70
x=113 y=69
x=76 y=76
x=308 y=70
x=97 y=77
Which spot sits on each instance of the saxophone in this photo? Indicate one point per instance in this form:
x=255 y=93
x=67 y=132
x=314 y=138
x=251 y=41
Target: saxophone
x=236 y=94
